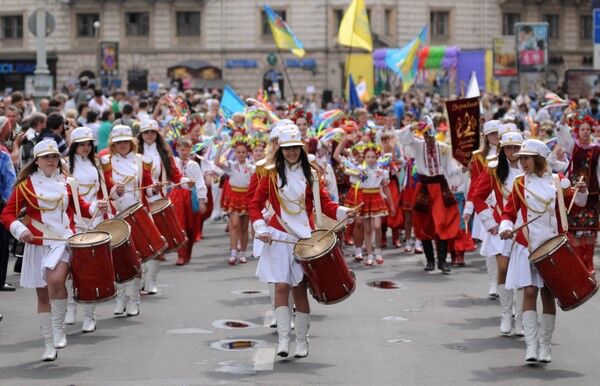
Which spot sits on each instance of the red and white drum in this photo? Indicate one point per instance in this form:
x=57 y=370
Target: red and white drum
x=322 y=261
x=126 y=259
x=147 y=239
x=163 y=214
x=564 y=273
x=92 y=267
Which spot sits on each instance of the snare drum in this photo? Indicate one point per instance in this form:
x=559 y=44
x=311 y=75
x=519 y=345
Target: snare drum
x=328 y=222
x=126 y=259
x=146 y=238
x=92 y=267
x=163 y=214
x=330 y=279
x=564 y=273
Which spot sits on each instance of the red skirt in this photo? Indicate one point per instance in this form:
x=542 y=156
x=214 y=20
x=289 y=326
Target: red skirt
x=374 y=205
x=182 y=203
x=461 y=243
x=236 y=200
x=407 y=198
x=225 y=189
x=353 y=197
x=440 y=222
x=398 y=219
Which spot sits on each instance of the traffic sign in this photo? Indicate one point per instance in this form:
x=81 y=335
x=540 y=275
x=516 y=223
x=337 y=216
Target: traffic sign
x=32 y=23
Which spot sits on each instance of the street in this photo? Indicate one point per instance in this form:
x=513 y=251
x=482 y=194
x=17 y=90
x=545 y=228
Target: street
x=429 y=329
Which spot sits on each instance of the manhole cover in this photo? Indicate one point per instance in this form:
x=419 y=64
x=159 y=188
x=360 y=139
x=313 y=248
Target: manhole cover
x=384 y=284
x=233 y=324
x=250 y=292
x=237 y=344
x=395 y=318
x=399 y=341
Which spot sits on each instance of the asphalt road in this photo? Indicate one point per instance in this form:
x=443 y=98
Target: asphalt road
x=431 y=329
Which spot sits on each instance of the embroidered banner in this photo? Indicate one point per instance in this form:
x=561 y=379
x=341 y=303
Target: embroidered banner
x=463 y=118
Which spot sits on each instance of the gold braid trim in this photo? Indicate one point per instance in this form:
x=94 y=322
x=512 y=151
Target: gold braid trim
x=25 y=191
x=300 y=202
x=538 y=198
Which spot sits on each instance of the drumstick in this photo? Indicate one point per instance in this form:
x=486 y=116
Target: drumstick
x=87 y=228
x=330 y=230
x=48 y=238
x=150 y=186
x=574 y=194
x=288 y=242
x=524 y=225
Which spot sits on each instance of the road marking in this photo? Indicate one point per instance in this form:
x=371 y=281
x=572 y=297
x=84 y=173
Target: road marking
x=263 y=359
x=268 y=318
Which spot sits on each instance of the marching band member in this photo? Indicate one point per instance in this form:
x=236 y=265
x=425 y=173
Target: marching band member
x=435 y=211
x=189 y=201
x=87 y=182
x=536 y=193
x=164 y=170
x=391 y=149
x=42 y=190
x=125 y=172
x=498 y=180
x=288 y=188
x=235 y=203
x=207 y=168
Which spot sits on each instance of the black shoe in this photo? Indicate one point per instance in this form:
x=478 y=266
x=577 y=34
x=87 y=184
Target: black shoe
x=443 y=266
x=430 y=266
x=7 y=287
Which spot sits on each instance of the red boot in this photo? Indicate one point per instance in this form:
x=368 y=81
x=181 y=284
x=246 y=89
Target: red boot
x=460 y=259
x=348 y=235
x=453 y=258
x=395 y=238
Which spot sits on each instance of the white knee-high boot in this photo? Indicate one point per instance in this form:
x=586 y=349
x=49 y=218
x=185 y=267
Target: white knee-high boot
x=70 y=317
x=518 y=302
x=291 y=305
x=50 y=353
x=302 y=324
x=153 y=267
x=273 y=323
x=506 y=303
x=546 y=330
x=530 y=325
x=282 y=314
x=89 y=317
x=132 y=290
x=59 y=309
x=121 y=298
x=492 y=271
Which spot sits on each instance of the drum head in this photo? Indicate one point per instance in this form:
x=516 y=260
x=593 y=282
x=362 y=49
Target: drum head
x=312 y=248
x=86 y=240
x=158 y=205
x=547 y=248
x=118 y=229
x=126 y=212
x=328 y=222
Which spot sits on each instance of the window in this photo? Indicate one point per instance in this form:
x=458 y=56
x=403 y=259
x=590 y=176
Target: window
x=552 y=20
x=137 y=24
x=508 y=23
x=388 y=22
x=266 y=29
x=586 y=28
x=440 y=24
x=338 y=15
x=85 y=24
x=12 y=27
x=188 y=23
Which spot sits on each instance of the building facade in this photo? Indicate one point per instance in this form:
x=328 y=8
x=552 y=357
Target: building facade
x=217 y=41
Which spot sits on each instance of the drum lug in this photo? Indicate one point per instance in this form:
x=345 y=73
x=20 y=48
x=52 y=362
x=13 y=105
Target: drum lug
x=346 y=288
x=592 y=280
x=574 y=294
x=552 y=261
x=118 y=278
x=93 y=253
x=97 y=293
x=76 y=293
x=324 y=297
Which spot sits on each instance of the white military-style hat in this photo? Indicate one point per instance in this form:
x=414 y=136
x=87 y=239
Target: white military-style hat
x=81 y=134
x=511 y=139
x=534 y=147
x=490 y=127
x=149 y=124
x=45 y=147
x=507 y=128
x=121 y=133
x=277 y=127
x=290 y=137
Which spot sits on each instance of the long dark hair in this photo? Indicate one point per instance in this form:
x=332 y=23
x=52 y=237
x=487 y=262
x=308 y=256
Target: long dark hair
x=304 y=163
x=31 y=168
x=164 y=151
x=503 y=166
x=91 y=157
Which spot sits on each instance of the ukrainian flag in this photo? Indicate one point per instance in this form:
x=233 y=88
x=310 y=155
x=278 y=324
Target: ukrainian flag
x=282 y=33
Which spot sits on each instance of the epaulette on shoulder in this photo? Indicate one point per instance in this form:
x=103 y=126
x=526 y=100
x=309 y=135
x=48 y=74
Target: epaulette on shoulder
x=269 y=169
x=477 y=152
x=492 y=164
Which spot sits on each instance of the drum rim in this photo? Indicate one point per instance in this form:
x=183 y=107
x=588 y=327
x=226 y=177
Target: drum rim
x=322 y=253
x=127 y=211
x=550 y=252
x=91 y=244
x=117 y=220
x=165 y=203
x=582 y=301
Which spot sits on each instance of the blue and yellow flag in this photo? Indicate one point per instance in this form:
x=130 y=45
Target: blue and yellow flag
x=404 y=61
x=231 y=103
x=355 y=30
x=282 y=34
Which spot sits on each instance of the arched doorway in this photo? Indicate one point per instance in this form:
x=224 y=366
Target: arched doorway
x=273 y=82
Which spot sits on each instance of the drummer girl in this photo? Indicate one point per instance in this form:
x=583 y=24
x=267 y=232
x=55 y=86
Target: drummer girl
x=164 y=170
x=87 y=182
x=42 y=190
x=189 y=201
x=537 y=193
x=288 y=188
x=499 y=179
x=374 y=180
x=235 y=203
x=125 y=172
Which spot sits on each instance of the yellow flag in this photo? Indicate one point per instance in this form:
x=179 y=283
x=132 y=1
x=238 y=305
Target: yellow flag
x=354 y=29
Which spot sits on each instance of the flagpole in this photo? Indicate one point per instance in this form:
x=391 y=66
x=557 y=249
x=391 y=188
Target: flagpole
x=286 y=73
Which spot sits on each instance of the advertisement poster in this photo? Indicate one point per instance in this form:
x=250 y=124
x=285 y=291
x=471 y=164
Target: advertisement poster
x=505 y=56
x=532 y=47
x=463 y=117
x=582 y=83
x=109 y=58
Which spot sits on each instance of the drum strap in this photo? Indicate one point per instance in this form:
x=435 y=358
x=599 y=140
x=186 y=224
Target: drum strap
x=286 y=227
x=74 y=184
x=561 y=205
x=45 y=229
x=140 y=167
x=317 y=198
